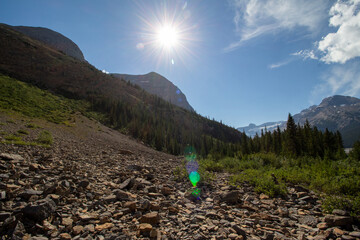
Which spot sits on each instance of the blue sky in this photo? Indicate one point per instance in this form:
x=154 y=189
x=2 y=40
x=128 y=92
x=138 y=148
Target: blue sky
x=239 y=61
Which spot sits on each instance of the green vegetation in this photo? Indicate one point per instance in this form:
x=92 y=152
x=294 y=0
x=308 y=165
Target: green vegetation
x=45 y=138
x=32 y=101
x=269 y=174
x=32 y=125
x=23 y=132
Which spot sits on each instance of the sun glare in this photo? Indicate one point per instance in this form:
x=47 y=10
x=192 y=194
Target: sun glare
x=167 y=37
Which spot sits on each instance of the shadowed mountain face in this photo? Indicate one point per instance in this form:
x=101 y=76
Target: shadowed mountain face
x=335 y=113
x=52 y=39
x=146 y=116
x=156 y=84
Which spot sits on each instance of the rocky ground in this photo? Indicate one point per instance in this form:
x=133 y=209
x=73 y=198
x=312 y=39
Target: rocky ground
x=95 y=183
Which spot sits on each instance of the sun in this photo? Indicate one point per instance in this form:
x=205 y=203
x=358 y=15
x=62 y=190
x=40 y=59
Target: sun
x=167 y=37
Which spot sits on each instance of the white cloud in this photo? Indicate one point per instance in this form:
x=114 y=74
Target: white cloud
x=104 y=71
x=258 y=17
x=343 y=45
x=341 y=79
x=280 y=64
x=305 y=54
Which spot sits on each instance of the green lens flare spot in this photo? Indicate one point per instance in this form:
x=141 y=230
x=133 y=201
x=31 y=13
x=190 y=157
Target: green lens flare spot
x=194 y=178
x=196 y=193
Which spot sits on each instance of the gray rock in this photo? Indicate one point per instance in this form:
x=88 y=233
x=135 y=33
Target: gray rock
x=8 y=156
x=4 y=215
x=84 y=183
x=2 y=195
x=40 y=209
x=340 y=212
x=308 y=220
x=127 y=184
x=355 y=234
x=231 y=197
x=333 y=220
x=28 y=193
x=121 y=195
x=238 y=230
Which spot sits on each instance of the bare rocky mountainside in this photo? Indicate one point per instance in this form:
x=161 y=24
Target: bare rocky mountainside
x=96 y=183
x=335 y=113
x=52 y=39
x=156 y=84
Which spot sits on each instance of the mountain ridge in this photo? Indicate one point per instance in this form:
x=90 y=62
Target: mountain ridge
x=157 y=84
x=335 y=113
x=53 y=39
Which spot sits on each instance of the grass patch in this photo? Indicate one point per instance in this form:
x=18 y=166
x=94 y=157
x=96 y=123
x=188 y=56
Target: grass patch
x=269 y=174
x=45 y=138
x=23 y=132
x=32 y=126
x=33 y=102
x=12 y=137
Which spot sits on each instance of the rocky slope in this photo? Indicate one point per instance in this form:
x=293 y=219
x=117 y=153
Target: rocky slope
x=95 y=183
x=335 y=113
x=52 y=39
x=156 y=84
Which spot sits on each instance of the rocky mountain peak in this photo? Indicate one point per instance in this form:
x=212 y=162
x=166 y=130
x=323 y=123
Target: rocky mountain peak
x=53 y=39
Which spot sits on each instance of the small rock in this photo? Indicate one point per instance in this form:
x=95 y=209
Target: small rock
x=67 y=222
x=130 y=205
x=151 y=218
x=238 y=230
x=264 y=196
x=90 y=228
x=7 y=156
x=308 y=220
x=145 y=228
x=127 y=184
x=339 y=212
x=338 y=231
x=99 y=228
x=166 y=191
x=355 y=234
x=121 y=195
x=2 y=195
x=33 y=166
x=65 y=236
x=333 y=220
x=230 y=197
x=78 y=229
x=28 y=193
x=110 y=199
x=40 y=209
x=232 y=236
x=322 y=225
x=84 y=183
x=4 y=215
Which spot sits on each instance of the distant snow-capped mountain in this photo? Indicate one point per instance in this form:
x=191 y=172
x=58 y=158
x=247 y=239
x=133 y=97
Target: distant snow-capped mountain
x=334 y=113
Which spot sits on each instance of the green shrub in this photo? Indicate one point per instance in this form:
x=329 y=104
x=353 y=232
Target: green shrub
x=12 y=137
x=31 y=125
x=23 y=132
x=45 y=138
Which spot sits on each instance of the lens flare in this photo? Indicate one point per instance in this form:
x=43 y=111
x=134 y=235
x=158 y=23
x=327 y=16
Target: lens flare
x=192 y=166
x=196 y=193
x=194 y=178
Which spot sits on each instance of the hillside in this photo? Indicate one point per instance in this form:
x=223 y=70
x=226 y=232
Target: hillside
x=52 y=39
x=156 y=84
x=335 y=113
x=128 y=108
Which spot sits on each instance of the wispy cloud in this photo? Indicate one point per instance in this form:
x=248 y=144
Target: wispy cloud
x=341 y=79
x=344 y=44
x=280 y=64
x=254 y=18
x=305 y=54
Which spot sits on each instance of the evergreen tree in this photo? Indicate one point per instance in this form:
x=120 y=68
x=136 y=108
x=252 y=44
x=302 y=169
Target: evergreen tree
x=291 y=145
